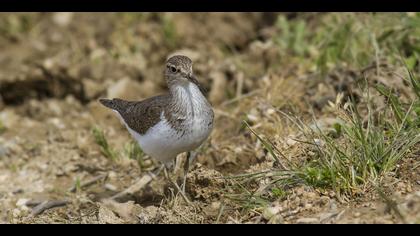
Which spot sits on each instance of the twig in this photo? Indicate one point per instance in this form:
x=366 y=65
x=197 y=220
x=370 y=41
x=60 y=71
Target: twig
x=226 y=114
x=250 y=94
x=239 y=85
x=40 y=208
x=221 y=210
x=374 y=66
x=139 y=185
x=88 y=183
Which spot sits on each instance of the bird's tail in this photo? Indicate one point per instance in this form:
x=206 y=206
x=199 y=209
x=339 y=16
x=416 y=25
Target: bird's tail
x=108 y=103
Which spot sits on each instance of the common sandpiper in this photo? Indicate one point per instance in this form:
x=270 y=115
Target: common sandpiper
x=169 y=124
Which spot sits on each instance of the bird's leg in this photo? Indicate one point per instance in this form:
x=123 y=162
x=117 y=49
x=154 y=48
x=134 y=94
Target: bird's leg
x=154 y=173
x=190 y=157
x=165 y=171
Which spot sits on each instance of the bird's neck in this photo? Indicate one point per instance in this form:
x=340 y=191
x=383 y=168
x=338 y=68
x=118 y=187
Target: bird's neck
x=187 y=99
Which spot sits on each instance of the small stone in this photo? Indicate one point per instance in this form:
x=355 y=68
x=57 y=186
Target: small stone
x=308 y=206
x=269 y=212
x=252 y=117
x=307 y=221
x=310 y=195
x=319 y=142
x=238 y=150
x=112 y=175
x=111 y=187
x=277 y=219
x=216 y=205
x=409 y=188
x=9 y=118
x=22 y=202
x=48 y=63
x=16 y=213
x=57 y=122
x=271 y=111
x=290 y=142
x=62 y=18
x=300 y=191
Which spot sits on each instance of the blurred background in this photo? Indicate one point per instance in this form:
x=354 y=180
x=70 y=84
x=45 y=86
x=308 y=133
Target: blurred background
x=256 y=67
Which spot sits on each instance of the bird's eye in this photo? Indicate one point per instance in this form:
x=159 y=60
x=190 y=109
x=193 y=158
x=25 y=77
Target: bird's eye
x=173 y=69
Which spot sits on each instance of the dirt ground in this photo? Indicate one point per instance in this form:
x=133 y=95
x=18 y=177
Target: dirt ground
x=54 y=67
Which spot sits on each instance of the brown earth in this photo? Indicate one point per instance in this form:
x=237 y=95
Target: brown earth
x=54 y=67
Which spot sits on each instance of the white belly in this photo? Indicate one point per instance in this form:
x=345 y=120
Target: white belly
x=163 y=143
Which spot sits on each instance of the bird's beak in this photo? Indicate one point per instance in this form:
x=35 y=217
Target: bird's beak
x=192 y=78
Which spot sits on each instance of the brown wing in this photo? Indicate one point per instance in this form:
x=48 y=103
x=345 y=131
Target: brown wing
x=139 y=116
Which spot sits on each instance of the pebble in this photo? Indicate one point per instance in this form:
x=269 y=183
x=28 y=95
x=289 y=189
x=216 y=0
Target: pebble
x=111 y=187
x=307 y=221
x=62 y=18
x=277 y=219
x=112 y=175
x=16 y=213
x=290 y=142
x=22 y=202
x=310 y=195
x=269 y=212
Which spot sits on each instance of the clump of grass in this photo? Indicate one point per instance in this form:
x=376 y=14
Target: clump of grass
x=363 y=154
x=78 y=184
x=100 y=139
x=134 y=152
x=347 y=39
x=293 y=35
x=131 y=150
x=364 y=146
x=169 y=31
x=13 y=26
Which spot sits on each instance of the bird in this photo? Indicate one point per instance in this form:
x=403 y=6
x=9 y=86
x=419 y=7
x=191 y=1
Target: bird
x=167 y=125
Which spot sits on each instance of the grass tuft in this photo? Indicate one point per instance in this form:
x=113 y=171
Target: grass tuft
x=133 y=151
x=169 y=31
x=367 y=149
x=100 y=139
x=364 y=148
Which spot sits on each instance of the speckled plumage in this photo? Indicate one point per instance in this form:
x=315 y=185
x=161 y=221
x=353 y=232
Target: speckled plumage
x=169 y=124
